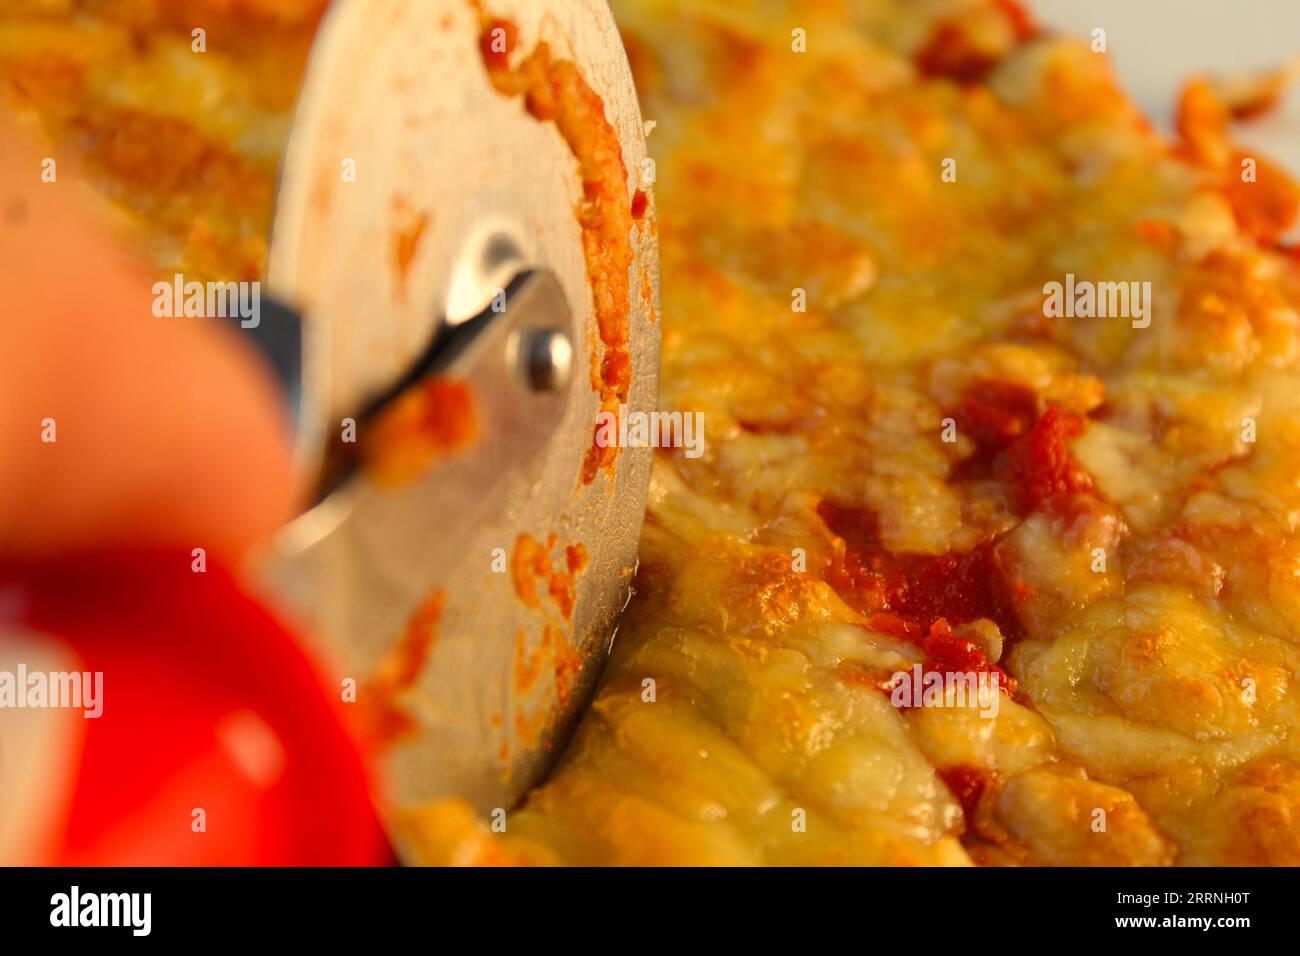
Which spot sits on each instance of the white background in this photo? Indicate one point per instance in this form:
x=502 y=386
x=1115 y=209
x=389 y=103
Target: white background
x=1157 y=44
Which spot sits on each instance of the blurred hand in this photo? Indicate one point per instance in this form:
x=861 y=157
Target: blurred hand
x=168 y=436
x=168 y=431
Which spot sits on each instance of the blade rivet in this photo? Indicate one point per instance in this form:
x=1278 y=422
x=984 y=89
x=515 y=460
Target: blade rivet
x=548 y=359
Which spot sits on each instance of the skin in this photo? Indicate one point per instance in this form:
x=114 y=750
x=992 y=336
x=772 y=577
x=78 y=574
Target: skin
x=170 y=433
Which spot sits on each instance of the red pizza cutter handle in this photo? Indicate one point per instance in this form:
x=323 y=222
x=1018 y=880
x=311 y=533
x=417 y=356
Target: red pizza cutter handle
x=217 y=744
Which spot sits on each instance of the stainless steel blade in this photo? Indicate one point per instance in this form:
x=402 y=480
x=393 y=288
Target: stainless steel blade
x=411 y=193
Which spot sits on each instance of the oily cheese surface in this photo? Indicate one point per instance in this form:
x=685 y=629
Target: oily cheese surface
x=1154 y=717
x=917 y=467
x=183 y=142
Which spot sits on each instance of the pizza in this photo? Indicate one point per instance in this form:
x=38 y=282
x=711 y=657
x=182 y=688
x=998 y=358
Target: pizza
x=991 y=554
x=913 y=465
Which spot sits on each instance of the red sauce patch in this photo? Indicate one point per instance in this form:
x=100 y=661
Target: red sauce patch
x=531 y=564
x=854 y=672
x=400 y=667
x=1022 y=21
x=1040 y=466
x=528 y=562
x=536 y=575
x=1268 y=204
x=912 y=593
x=616 y=370
x=944 y=651
x=994 y=413
x=639 y=203
x=920 y=597
x=1267 y=207
x=552 y=654
x=429 y=421
x=575 y=556
x=554 y=91
x=1029 y=452
x=406 y=240
x=1158 y=232
x=497 y=42
x=528 y=664
x=950 y=54
x=967 y=785
x=567 y=662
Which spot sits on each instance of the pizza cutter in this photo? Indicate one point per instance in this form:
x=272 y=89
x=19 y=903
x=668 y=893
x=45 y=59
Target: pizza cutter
x=463 y=575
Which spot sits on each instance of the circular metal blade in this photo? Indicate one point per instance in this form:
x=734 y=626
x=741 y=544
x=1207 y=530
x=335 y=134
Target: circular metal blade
x=407 y=175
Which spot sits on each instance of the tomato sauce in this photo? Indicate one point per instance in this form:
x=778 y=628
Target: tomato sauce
x=1027 y=451
x=950 y=52
x=554 y=91
x=400 y=668
x=497 y=42
x=917 y=596
x=967 y=785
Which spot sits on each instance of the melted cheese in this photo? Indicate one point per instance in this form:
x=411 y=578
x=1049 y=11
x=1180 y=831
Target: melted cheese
x=1156 y=716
